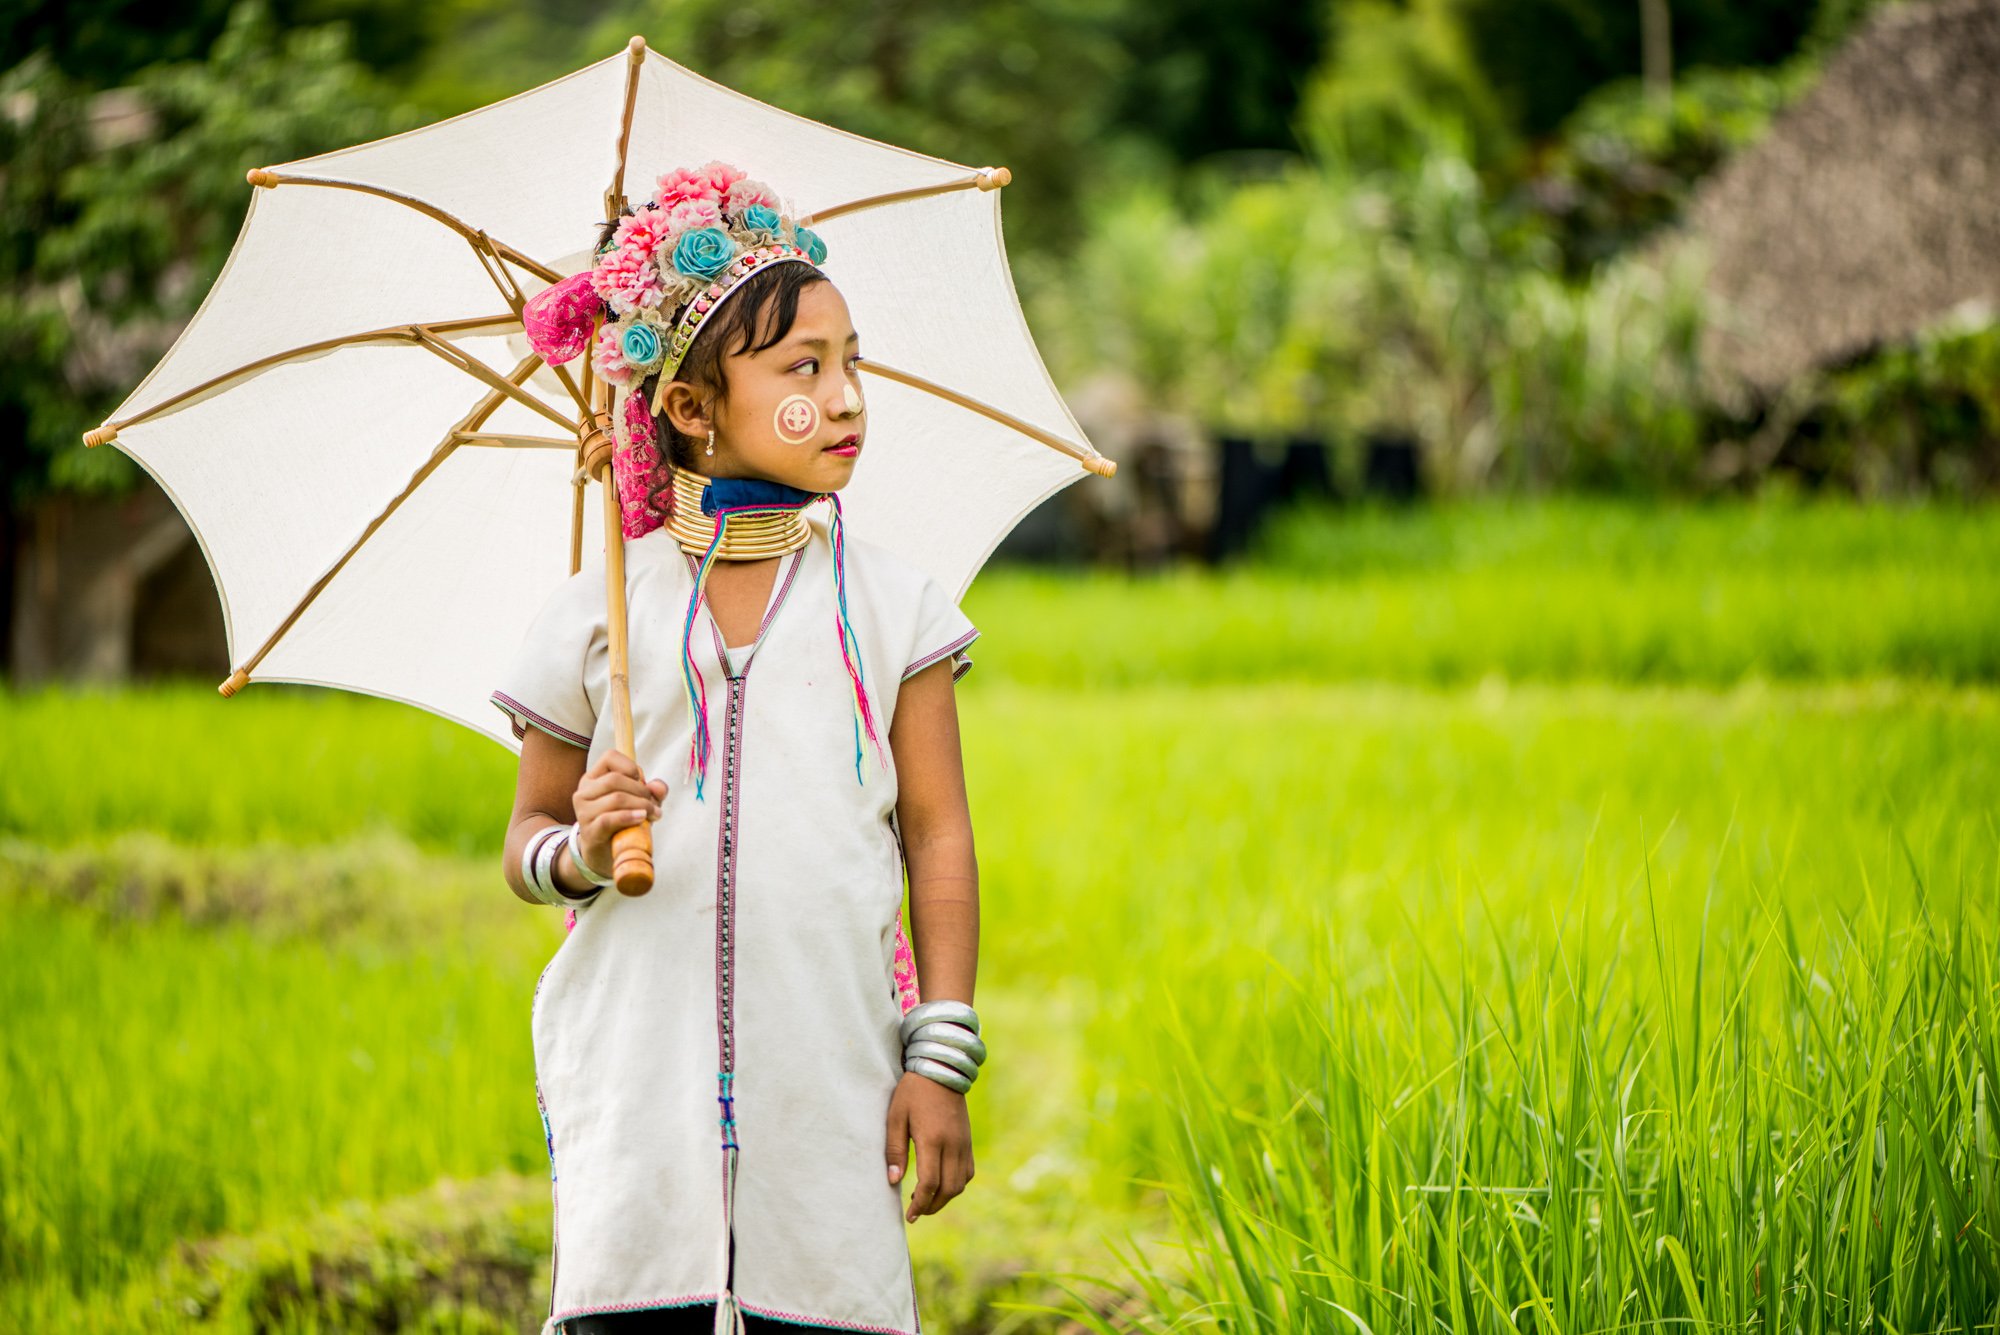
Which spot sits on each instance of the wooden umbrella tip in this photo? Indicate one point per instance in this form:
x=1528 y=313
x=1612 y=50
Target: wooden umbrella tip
x=992 y=178
x=262 y=176
x=100 y=435
x=1101 y=466
x=636 y=48
x=235 y=682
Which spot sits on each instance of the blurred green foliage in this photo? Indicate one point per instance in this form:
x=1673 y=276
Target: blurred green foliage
x=1337 y=303
x=1427 y=218
x=1627 y=161
x=110 y=238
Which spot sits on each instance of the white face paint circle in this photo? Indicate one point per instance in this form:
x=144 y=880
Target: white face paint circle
x=796 y=419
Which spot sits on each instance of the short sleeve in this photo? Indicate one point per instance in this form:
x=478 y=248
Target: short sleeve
x=943 y=631
x=545 y=685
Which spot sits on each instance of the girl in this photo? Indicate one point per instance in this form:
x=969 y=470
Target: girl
x=729 y=1073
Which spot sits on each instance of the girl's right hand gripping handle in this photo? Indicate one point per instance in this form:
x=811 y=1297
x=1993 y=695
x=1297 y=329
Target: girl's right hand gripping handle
x=632 y=858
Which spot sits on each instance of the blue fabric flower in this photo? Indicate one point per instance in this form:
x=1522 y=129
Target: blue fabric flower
x=758 y=218
x=641 y=345
x=809 y=242
x=704 y=252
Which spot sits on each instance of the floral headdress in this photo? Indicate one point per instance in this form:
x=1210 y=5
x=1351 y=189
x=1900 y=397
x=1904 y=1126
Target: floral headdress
x=671 y=262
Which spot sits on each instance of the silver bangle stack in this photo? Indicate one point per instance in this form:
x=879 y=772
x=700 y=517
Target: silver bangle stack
x=941 y=1040
x=538 y=866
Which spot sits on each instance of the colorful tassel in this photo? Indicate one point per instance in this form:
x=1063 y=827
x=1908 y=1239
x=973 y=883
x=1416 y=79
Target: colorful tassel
x=751 y=495
x=864 y=717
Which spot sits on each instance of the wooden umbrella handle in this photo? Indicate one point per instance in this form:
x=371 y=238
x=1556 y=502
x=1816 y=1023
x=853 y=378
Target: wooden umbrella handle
x=631 y=847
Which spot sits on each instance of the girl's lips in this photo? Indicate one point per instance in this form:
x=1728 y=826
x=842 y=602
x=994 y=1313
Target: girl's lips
x=844 y=451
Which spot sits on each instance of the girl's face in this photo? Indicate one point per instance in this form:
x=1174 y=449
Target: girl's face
x=794 y=412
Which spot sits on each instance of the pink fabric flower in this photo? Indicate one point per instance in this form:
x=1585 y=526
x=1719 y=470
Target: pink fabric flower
x=682 y=183
x=634 y=468
x=745 y=193
x=557 y=319
x=609 y=358
x=719 y=176
x=626 y=280
x=691 y=215
x=643 y=232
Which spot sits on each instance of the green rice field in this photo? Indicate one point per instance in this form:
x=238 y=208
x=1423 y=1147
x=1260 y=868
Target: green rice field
x=1564 y=918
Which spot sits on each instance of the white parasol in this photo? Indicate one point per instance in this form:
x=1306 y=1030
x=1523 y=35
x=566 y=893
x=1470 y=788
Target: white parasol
x=387 y=483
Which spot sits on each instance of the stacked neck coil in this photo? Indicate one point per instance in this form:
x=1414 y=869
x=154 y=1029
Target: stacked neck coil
x=750 y=536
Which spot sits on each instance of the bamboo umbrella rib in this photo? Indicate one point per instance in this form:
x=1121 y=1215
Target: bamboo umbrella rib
x=986 y=178
x=398 y=334
x=513 y=442
x=590 y=392
x=479 y=370
x=510 y=292
x=466 y=425
x=270 y=180
x=483 y=245
x=1083 y=454
x=635 y=57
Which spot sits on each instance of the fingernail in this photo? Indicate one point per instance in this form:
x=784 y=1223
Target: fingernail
x=895 y=1173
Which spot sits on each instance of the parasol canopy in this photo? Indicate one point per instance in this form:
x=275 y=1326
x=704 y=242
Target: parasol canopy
x=387 y=482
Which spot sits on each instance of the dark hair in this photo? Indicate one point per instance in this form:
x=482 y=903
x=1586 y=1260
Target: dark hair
x=763 y=305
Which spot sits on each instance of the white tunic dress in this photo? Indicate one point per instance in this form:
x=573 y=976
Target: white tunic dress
x=756 y=980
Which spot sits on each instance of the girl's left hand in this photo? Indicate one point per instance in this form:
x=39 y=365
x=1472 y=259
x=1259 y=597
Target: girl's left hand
x=935 y=1117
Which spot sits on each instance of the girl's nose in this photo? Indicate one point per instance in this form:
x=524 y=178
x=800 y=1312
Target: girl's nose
x=850 y=402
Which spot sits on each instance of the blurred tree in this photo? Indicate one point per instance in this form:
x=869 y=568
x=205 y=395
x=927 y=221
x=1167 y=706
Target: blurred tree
x=1066 y=93
x=1627 y=160
x=117 y=209
x=1543 y=56
x=1399 y=82
x=103 y=43
x=1034 y=87
x=1204 y=80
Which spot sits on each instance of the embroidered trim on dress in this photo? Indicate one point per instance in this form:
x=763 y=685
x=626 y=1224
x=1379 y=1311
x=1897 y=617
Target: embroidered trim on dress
x=778 y=1313
x=516 y=711
x=644 y=1305
x=934 y=656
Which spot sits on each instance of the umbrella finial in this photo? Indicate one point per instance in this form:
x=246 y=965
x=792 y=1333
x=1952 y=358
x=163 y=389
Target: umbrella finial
x=635 y=50
x=100 y=435
x=235 y=682
x=992 y=178
x=263 y=176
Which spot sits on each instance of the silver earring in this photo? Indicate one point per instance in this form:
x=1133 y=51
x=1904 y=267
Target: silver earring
x=711 y=440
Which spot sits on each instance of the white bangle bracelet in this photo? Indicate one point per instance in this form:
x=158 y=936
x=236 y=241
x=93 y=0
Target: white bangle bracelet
x=528 y=850
x=531 y=875
x=562 y=834
x=545 y=866
x=583 y=868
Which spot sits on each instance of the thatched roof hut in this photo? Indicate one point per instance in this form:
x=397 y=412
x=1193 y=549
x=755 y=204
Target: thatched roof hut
x=1872 y=206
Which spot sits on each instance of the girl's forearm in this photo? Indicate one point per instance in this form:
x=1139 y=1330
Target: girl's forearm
x=944 y=919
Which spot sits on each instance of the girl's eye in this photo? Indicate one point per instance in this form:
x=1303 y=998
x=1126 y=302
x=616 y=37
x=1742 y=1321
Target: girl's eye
x=810 y=361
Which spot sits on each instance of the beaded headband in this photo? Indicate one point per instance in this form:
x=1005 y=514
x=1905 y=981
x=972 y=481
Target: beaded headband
x=726 y=282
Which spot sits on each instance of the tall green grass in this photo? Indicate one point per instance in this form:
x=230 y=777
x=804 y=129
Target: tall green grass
x=1781 y=1119
x=1474 y=970
x=1191 y=843
x=165 y=1082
